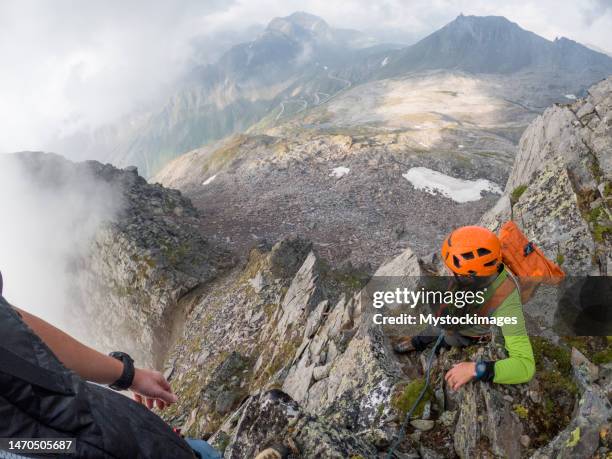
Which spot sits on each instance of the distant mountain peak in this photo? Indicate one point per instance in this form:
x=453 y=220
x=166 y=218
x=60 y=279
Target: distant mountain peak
x=304 y=19
x=300 y=61
x=481 y=19
x=492 y=44
x=302 y=27
x=299 y=25
x=479 y=23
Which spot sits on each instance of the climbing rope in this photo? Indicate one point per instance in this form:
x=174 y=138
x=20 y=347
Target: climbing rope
x=402 y=432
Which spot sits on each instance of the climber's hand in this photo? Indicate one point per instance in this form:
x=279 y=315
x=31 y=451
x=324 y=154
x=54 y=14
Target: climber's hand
x=460 y=374
x=151 y=389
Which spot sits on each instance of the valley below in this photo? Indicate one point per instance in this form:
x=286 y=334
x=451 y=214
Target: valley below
x=335 y=174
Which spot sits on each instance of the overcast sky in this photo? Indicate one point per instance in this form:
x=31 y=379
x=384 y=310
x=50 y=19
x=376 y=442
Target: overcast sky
x=71 y=63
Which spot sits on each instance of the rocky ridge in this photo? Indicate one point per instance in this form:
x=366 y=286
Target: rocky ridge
x=143 y=266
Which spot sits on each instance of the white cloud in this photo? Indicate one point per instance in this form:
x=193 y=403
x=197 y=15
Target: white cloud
x=67 y=64
x=47 y=224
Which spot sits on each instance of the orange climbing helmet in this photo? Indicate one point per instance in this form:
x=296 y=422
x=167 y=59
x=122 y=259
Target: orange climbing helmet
x=472 y=251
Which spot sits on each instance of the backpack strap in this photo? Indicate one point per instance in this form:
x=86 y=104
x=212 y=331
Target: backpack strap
x=499 y=296
x=18 y=367
x=517 y=282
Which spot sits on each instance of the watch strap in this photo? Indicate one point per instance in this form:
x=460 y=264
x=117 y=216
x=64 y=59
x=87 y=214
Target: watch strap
x=127 y=376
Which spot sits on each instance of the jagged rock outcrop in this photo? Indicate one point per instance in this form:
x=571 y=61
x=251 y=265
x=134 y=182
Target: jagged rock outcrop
x=591 y=420
x=302 y=332
x=560 y=187
x=562 y=412
x=239 y=312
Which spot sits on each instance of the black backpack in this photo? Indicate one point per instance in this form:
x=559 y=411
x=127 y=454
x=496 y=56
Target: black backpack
x=40 y=398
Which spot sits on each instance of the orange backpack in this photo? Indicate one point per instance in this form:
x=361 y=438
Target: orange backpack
x=526 y=261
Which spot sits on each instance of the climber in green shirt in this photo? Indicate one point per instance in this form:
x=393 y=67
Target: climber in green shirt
x=473 y=255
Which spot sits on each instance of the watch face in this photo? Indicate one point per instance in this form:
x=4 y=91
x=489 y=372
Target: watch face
x=480 y=369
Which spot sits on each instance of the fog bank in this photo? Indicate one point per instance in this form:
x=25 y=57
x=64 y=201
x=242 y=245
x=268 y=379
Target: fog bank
x=49 y=216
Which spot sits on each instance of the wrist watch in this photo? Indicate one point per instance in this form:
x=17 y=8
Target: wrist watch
x=127 y=376
x=481 y=369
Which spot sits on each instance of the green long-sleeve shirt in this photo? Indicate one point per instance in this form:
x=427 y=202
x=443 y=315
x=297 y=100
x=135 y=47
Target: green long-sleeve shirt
x=519 y=367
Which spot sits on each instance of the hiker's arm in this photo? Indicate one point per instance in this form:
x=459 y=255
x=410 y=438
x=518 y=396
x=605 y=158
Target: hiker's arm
x=86 y=362
x=95 y=366
x=519 y=367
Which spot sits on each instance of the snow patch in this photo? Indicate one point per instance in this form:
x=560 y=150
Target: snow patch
x=339 y=171
x=385 y=61
x=570 y=96
x=209 y=180
x=459 y=190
